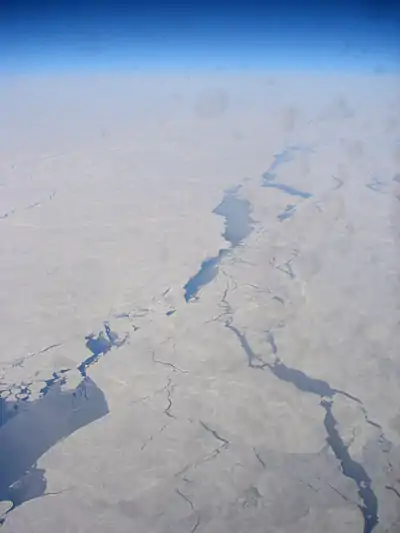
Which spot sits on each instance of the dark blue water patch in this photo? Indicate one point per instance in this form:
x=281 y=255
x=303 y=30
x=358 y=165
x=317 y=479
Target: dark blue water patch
x=244 y=343
x=236 y=211
x=289 y=211
x=288 y=189
x=238 y=225
x=171 y=312
x=57 y=377
x=352 y=470
x=8 y=410
x=20 y=393
x=268 y=178
x=300 y=380
x=280 y=158
x=112 y=336
x=303 y=382
x=208 y=271
x=100 y=345
x=42 y=424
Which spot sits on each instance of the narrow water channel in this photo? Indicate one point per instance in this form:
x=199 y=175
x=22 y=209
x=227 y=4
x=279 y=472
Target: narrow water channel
x=238 y=225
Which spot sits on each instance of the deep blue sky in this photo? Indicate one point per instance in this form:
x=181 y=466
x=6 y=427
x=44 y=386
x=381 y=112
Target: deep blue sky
x=72 y=35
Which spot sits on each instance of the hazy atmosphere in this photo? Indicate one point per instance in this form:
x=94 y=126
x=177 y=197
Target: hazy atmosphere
x=199 y=276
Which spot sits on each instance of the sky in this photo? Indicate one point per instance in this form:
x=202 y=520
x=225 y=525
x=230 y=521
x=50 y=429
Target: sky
x=43 y=36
